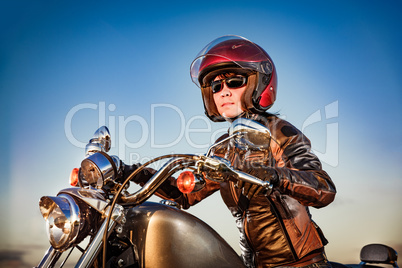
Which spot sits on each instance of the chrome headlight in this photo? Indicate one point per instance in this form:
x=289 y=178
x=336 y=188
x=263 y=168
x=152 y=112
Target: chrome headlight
x=62 y=217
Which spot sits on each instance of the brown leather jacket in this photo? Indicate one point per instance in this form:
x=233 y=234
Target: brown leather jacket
x=278 y=229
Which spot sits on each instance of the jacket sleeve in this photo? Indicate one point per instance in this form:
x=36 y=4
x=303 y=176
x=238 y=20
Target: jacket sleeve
x=299 y=170
x=187 y=200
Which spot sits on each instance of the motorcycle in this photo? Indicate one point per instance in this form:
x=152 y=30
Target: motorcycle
x=112 y=227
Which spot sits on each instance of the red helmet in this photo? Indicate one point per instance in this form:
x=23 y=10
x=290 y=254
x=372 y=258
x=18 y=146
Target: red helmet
x=236 y=54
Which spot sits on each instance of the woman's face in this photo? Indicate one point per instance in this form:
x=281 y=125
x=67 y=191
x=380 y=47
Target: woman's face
x=228 y=100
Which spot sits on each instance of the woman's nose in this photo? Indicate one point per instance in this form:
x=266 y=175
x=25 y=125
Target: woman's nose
x=225 y=90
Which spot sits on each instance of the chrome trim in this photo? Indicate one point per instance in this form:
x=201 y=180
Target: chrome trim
x=170 y=203
x=92 y=197
x=92 y=148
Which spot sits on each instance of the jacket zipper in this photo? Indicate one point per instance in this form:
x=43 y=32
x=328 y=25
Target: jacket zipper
x=275 y=210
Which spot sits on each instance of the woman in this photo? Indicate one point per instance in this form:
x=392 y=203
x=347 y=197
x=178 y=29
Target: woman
x=238 y=79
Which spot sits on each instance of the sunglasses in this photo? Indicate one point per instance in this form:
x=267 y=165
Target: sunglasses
x=231 y=82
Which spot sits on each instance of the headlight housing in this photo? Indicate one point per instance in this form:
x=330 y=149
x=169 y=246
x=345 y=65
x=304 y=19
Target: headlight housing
x=62 y=216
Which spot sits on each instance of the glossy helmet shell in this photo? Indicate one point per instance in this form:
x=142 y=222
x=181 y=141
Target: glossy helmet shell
x=236 y=54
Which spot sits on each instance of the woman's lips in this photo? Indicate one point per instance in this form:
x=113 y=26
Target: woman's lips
x=227 y=103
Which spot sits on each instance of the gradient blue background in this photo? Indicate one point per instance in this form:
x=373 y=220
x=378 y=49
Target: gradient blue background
x=121 y=58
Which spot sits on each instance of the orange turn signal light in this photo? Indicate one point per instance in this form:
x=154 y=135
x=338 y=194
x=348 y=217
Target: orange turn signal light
x=186 y=182
x=74 y=176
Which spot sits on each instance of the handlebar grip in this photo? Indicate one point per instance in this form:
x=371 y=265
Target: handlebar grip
x=219 y=164
x=253 y=180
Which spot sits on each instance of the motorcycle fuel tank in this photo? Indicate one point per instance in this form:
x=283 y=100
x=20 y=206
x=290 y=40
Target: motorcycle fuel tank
x=165 y=236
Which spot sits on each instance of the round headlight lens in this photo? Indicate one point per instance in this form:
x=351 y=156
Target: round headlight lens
x=62 y=217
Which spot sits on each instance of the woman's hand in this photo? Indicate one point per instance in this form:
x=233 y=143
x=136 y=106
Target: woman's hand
x=259 y=171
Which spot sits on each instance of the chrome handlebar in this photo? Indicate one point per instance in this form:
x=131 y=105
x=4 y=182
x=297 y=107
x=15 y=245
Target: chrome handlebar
x=159 y=177
x=198 y=162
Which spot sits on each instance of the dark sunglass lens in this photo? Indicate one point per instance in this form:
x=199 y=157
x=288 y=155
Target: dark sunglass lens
x=216 y=86
x=235 y=82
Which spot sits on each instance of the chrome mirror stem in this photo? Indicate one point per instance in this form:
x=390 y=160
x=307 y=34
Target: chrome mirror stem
x=220 y=142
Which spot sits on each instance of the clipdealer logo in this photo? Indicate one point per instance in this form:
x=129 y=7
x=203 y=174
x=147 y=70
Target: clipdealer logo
x=185 y=130
x=188 y=128
x=329 y=118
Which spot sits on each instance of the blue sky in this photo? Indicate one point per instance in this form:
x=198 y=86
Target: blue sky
x=65 y=67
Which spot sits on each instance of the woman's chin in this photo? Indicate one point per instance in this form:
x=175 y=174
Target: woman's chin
x=231 y=114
